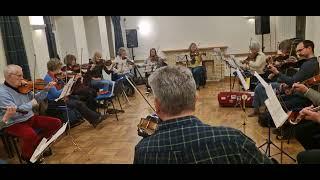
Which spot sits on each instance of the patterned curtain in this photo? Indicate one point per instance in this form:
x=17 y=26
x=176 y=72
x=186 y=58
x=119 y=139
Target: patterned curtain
x=117 y=32
x=13 y=43
x=51 y=41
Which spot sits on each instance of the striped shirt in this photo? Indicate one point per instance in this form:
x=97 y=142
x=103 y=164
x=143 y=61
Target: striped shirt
x=187 y=140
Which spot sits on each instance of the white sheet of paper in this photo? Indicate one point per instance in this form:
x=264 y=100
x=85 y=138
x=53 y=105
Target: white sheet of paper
x=44 y=143
x=243 y=82
x=66 y=89
x=277 y=113
x=262 y=81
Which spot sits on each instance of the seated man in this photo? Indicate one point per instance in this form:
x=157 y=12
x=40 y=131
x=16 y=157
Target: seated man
x=308 y=132
x=309 y=68
x=181 y=137
x=24 y=125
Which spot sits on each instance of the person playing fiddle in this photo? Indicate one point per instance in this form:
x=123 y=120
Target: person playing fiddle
x=123 y=67
x=24 y=125
x=155 y=62
x=81 y=88
x=95 y=72
x=286 y=53
x=308 y=69
x=195 y=65
x=256 y=61
x=93 y=117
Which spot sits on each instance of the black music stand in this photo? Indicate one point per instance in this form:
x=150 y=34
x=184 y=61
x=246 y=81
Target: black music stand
x=230 y=74
x=269 y=143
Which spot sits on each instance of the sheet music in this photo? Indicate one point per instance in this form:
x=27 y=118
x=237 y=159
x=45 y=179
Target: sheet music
x=277 y=113
x=66 y=89
x=262 y=81
x=44 y=143
x=243 y=82
x=275 y=109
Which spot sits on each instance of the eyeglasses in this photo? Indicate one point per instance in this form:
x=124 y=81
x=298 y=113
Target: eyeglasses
x=299 y=50
x=18 y=75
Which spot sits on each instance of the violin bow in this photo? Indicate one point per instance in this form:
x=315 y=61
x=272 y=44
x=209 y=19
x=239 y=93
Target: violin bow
x=34 y=75
x=81 y=65
x=130 y=82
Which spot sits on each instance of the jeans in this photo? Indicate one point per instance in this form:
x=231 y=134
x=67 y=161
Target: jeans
x=197 y=73
x=260 y=94
x=100 y=84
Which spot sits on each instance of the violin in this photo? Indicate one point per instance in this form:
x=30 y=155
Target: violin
x=294 y=117
x=194 y=54
x=27 y=86
x=251 y=57
x=147 y=126
x=17 y=110
x=309 y=83
x=281 y=62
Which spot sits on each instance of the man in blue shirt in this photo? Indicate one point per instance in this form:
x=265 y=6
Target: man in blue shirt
x=23 y=125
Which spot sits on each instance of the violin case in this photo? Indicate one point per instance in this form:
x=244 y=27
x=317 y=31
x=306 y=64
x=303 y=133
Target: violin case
x=233 y=99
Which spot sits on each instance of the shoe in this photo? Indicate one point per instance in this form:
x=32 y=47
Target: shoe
x=39 y=161
x=255 y=112
x=47 y=152
x=98 y=121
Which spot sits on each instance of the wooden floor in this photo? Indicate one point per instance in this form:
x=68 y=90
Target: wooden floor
x=113 y=142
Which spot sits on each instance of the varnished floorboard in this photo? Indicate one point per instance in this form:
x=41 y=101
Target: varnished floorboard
x=113 y=142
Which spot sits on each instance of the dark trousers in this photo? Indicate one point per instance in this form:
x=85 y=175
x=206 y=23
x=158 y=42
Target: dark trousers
x=73 y=102
x=308 y=134
x=87 y=95
x=198 y=74
x=309 y=157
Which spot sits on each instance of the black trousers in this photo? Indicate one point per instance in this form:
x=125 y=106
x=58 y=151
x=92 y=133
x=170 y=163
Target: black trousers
x=309 y=157
x=75 y=103
x=87 y=95
x=308 y=134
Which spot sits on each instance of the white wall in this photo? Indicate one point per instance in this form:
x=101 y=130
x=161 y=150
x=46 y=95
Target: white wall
x=3 y=60
x=28 y=44
x=65 y=35
x=177 y=32
x=96 y=34
x=71 y=37
x=92 y=34
x=104 y=37
x=312 y=32
x=81 y=40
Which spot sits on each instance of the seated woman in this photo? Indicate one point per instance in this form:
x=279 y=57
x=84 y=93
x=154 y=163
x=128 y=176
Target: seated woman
x=152 y=63
x=54 y=66
x=122 y=68
x=95 y=72
x=256 y=61
x=82 y=88
x=195 y=64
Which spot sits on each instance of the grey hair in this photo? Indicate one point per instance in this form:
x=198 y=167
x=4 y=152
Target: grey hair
x=254 y=45
x=121 y=49
x=175 y=88
x=10 y=69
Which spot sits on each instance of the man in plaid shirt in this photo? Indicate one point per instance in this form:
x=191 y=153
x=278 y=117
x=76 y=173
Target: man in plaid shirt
x=182 y=137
